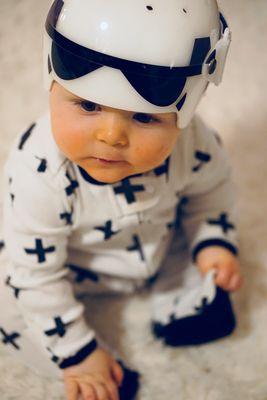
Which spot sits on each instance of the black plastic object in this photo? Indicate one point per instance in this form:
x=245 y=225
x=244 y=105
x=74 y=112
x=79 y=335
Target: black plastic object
x=130 y=383
x=213 y=321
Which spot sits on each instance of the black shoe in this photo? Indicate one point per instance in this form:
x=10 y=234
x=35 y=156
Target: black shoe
x=211 y=322
x=130 y=383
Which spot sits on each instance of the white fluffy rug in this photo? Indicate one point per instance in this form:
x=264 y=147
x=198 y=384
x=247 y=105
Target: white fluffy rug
x=234 y=368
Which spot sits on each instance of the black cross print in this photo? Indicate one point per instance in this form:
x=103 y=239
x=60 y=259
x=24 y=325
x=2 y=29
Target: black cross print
x=59 y=329
x=73 y=185
x=83 y=274
x=54 y=358
x=16 y=290
x=204 y=158
x=204 y=304
x=223 y=222
x=43 y=165
x=136 y=246
x=10 y=338
x=67 y=216
x=107 y=230
x=40 y=250
x=128 y=189
x=26 y=136
x=163 y=169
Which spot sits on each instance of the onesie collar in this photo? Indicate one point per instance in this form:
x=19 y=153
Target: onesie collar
x=90 y=179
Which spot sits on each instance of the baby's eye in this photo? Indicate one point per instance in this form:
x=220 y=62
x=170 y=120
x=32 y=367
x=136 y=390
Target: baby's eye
x=144 y=118
x=88 y=106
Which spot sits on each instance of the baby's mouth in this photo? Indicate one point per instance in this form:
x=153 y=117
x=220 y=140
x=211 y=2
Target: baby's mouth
x=103 y=160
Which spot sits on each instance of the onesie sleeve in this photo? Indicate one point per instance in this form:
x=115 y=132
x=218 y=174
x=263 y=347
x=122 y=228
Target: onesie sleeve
x=207 y=211
x=36 y=236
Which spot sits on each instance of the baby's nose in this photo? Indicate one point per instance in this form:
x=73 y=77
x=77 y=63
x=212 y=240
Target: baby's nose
x=113 y=132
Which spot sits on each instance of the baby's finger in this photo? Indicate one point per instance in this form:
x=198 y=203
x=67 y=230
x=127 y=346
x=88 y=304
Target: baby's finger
x=72 y=390
x=112 y=389
x=235 y=283
x=101 y=391
x=117 y=373
x=223 y=277
x=88 y=392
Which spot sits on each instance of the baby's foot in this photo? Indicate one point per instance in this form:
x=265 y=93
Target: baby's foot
x=199 y=316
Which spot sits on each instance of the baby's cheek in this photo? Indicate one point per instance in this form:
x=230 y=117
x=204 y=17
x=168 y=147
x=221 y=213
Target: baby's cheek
x=154 y=154
x=71 y=143
x=151 y=153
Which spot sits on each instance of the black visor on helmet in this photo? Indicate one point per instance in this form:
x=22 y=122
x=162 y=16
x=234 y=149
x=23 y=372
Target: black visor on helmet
x=159 y=85
x=158 y=90
x=68 y=66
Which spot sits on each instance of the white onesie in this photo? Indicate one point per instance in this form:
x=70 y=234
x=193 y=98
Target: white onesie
x=60 y=221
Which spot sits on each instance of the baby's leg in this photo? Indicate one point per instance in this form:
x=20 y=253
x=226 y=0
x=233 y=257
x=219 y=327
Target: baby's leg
x=14 y=334
x=186 y=308
x=84 y=287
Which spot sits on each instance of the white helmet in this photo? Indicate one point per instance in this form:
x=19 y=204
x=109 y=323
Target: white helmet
x=131 y=55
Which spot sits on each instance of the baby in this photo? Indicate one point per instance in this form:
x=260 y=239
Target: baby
x=119 y=189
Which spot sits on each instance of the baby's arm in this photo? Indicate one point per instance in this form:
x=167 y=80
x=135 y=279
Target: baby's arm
x=36 y=239
x=208 y=210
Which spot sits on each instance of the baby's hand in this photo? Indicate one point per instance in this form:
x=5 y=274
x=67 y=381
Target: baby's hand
x=95 y=378
x=228 y=275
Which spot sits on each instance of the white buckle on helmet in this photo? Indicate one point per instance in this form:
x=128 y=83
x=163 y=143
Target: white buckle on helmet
x=213 y=69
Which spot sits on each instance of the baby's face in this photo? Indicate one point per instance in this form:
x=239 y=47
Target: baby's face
x=88 y=134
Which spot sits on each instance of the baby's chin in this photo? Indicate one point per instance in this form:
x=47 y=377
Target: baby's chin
x=112 y=173
x=107 y=175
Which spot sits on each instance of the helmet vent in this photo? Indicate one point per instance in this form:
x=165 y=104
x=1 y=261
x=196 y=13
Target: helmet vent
x=184 y=10
x=150 y=8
